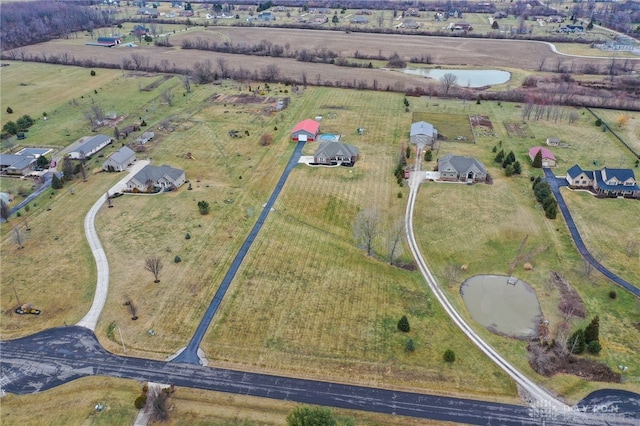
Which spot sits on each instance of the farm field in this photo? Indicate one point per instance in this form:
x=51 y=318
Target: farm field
x=306 y=302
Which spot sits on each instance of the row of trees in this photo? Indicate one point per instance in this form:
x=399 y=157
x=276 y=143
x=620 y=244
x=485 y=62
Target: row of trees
x=587 y=338
x=544 y=196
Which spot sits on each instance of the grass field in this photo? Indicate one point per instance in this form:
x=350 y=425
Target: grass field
x=307 y=302
x=626 y=124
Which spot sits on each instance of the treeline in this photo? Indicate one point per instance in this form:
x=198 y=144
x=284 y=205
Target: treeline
x=26 y=23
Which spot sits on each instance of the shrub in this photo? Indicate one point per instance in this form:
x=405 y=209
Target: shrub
x=399 y=194
x=428 y=155
x=410 y=345
x=9 y=110
x=203 y=207
x=140 y=402
x=93 y=73
x=592 y=331
x=598 y=122
x=594 y=347
x=613 y=294
x=552 y=211
x=187 y=236
x=403 y=324
x=177 y=259
x=449 y=356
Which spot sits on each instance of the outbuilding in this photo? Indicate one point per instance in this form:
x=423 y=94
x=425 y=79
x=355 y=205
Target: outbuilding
x=119 y=160
x=548 y=159
x=91 y=145
x=306 y=131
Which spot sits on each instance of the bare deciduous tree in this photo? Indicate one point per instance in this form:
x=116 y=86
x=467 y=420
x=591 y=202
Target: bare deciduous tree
x=154 y=265
x=451 y=273
x=5 y=211
x=18 y=237
x=222 y=66
x=139 y=61
x=448 y=82
x=167 y=96
x=271 y=73
x=186 y=83
x=366 y=228
x=394 y=238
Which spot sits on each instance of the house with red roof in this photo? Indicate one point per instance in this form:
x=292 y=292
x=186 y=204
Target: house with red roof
x=548 y=159
x=306 y=131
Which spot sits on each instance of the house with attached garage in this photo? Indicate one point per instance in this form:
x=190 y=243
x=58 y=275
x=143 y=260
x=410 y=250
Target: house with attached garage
x=457 y=168
x=13 y=164
x=335 y=153
x=159 y=177
x=306 y=131
x=606 y=182
x=423 y=133
x=119 y=160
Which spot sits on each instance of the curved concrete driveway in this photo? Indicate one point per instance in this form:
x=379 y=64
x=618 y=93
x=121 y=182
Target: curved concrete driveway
x=555 y=184
x=90 y=320
x=538 y=394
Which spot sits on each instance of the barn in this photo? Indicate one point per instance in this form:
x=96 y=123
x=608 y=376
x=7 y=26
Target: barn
x=306 y=131
x=548 y=159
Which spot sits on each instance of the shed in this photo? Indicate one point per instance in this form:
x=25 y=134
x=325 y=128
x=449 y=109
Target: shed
x=553 y=141
x=306 y=130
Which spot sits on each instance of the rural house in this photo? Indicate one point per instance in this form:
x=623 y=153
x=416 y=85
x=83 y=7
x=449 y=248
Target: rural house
x=553 y=141
x=334 y=153
x=548 y=159
x=606 y=182
x=119 y=160
x=90 y=146
x=457 y=168
x=578 y=178
x=13 y=164
x=156 y=177
x=423 y=133
x=359 y=20
x=306 y=131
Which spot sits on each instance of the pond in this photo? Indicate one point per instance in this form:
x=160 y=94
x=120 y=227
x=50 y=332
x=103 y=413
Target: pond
x=466 y=78
x=504 y=305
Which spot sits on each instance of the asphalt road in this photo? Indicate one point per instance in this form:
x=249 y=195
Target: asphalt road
x=555 y=184
x=190 y=353
x=56 y=356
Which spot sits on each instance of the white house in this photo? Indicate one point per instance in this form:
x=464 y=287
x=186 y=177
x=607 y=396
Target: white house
x=90 y=146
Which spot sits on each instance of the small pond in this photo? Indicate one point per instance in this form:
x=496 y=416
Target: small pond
x=504 y=305
x=466 y=78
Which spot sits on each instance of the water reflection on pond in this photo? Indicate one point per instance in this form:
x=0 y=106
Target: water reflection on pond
x=465 y=78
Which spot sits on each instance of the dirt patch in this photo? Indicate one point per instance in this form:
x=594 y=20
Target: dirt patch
x=156 y=83
x=549 y=360
x=243 y=99
x=570 y=302
x=518 y=130
x=480 y=121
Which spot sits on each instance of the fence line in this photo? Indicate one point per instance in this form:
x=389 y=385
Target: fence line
x=613 y=133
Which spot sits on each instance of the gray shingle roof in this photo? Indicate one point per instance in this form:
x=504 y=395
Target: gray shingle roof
x=423 y=128
x=155 y=173
x=90 y=145
x=336 y=149
x=461 y=164
x=123 y=155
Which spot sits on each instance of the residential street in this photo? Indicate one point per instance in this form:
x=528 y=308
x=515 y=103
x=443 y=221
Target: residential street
x=56 y=356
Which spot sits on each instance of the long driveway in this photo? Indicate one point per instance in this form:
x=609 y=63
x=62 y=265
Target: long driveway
x=90 y=320
x=536 y=393
x=190 y=353
x=56 y=356
x=555 y=184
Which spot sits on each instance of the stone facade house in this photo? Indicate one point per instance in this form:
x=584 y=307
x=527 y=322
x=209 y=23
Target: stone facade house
x=457 y=168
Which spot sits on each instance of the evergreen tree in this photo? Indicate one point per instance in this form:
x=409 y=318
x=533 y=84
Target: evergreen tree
x=410 y=345
x=592 y=332
x=552 y=211
x=56 y=182
x=500 y=156
x=517 y=167
x=537 y=160
x=428 y=155
x=594 y=347
x=9 y=110
x=509 y=171
x=408 y=152
x=449 y=355
x=403 y=324
x=536 y=181
x=576 y=343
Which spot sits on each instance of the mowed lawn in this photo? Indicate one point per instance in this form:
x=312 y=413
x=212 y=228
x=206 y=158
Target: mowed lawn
x=625 y=123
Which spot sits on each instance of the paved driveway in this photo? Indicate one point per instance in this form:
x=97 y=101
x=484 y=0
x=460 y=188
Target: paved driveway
x=556 y=183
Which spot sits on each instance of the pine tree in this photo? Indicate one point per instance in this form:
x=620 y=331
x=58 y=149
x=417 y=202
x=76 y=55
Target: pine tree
x=537 y=160
x=428 y=155
x=592 y=332
x=517 y=167
x=56 y=182
x=449 y=355
x=403 y=324
x=576 y=343
x=500 y=156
